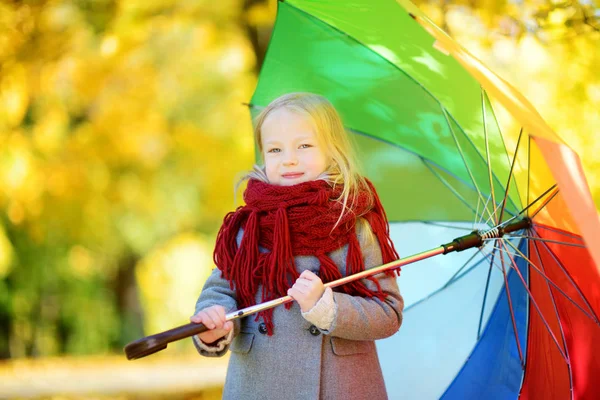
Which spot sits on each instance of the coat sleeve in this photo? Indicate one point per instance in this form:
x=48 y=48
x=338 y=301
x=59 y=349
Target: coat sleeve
x=216 y=291
x=360 y=318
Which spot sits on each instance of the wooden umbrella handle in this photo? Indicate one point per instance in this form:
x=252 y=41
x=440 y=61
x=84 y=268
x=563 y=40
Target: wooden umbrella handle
x=153 y=343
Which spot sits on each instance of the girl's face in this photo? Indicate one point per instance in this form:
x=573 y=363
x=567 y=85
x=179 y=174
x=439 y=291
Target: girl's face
x=291 y=149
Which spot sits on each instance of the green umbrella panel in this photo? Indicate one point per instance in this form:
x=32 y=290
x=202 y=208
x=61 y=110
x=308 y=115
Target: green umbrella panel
x=441 y=121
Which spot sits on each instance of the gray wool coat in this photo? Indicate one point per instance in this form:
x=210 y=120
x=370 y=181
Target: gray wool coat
x=300 y=361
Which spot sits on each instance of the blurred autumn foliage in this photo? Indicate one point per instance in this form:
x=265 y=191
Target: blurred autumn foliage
x=549 y=50
x=122 y=130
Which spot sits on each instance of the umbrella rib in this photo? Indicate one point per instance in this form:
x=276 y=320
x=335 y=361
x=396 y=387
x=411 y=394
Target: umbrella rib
x=511 y=308
x=416 y=82
x=446 y=226
x=528 y=172
x=477 y=213
x=548 y=241
x=562 y=333
x=487 y=152
x=545 y=203
x=526 y=286
x=454 y=191
x=549 y=281
x=359 y=132
x=510 y=175
x=491 y=110
x=489 y=219
x=564 y=270
x=451 y=280
x=447 y=284
x=470 y=142
x=485 y=207
x=535 y=201
x=558 y=231
x=487 y=285
x=462 y=156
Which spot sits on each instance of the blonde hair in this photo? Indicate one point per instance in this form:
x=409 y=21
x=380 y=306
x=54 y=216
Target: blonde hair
x=330 y=131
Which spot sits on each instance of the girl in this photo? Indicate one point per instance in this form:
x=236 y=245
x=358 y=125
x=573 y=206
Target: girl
x=309 y=218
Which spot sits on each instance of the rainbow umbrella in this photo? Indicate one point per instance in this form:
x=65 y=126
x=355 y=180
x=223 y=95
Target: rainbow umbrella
x=517 y=315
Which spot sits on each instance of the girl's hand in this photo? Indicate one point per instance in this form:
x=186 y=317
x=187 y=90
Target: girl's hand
x=307 y=290
x=213 y=318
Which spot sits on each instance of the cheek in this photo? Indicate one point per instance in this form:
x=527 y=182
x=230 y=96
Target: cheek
x=270 y=166
x=270 y=160
x=319 y=161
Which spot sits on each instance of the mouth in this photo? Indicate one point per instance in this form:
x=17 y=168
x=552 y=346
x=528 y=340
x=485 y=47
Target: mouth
x=292 y=175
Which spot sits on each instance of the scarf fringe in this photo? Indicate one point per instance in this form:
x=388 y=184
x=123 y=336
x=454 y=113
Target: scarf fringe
x=265 y=221
x=246 y=258
x=328 y=270
x=283 y=257
x=226 y=244
x=379 y=225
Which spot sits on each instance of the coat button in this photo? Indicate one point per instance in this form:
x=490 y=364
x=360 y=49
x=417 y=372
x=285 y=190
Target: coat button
x=262 y=328
x=314 y=330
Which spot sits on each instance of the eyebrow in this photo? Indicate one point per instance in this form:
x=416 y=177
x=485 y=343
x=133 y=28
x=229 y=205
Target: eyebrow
x=300 y=139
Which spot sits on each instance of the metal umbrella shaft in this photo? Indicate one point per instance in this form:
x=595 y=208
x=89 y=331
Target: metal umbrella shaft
x=475 y=239
x=151 y=344
x=360 y=275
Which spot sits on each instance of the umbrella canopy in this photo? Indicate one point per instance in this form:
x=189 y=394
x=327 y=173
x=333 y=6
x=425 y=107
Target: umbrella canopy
x=516 y=318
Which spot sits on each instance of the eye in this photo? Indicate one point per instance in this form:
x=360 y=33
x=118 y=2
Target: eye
x=274 y=150
x=305 y=146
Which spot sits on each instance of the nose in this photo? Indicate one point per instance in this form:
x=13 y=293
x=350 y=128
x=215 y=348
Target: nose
x=290 y=158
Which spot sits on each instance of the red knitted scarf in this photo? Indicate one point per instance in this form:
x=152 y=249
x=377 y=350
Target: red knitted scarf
x=291 y=221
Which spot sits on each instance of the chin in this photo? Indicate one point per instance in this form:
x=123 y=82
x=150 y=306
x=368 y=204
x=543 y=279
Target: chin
x=288 y=182
x=292 y=182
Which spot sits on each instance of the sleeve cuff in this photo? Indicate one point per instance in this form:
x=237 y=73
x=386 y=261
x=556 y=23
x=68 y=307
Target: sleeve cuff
x=219 y=345
x=323 y=312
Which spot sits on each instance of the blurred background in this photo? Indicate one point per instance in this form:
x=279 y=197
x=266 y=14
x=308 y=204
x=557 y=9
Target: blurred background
x=122 y=131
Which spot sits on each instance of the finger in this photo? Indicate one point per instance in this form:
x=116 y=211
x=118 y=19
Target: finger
x=303 y=283
x=215 y=317
x=313 y=286
x=303 y=288
x=217 y=313
x=211 y=336
x=207 y=321
x=196 y=319
x=228 y=326
x=221 y=312
x=199 y=318
x=295 y=294
x=308 y=274
x=223 y=318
